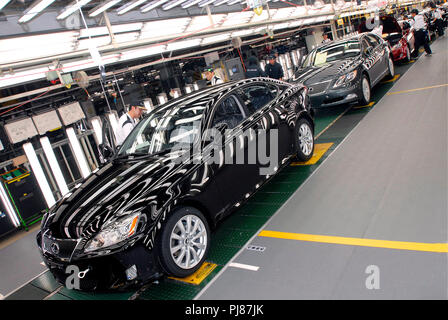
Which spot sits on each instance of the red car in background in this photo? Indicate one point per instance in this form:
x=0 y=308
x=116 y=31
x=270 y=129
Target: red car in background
x=400 y=36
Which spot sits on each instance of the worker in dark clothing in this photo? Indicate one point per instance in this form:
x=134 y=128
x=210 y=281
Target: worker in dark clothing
x=419 y=24
x=253 y=69
x=274 y=69
x=363 y=26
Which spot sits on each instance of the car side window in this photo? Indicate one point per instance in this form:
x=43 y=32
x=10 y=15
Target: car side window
x=228 y=112
x=257 y=96
x=373 y=40
x=365 y=46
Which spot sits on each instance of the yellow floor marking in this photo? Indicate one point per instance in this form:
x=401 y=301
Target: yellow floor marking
x=319 y=151
x=417 y=89
x=366 y=106
x=412 y=61
x=199 y=276
x=400 y=245
x=392 y=80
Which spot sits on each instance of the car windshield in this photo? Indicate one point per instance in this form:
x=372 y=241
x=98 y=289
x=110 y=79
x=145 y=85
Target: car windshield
x=164 y=129
x=333 y=52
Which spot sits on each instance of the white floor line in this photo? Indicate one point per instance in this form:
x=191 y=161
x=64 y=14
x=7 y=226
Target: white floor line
x=244 y=266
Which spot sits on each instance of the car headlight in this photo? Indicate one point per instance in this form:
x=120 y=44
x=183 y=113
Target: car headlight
x=346 y=78
x=113 y=233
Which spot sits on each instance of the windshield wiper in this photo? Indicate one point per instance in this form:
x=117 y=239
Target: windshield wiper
x=139 y=155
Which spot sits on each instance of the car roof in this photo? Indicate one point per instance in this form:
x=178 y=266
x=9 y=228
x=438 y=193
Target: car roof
x=212 y=93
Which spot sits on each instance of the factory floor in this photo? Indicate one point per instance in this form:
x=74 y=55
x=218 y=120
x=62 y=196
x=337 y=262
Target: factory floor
x=365 y=219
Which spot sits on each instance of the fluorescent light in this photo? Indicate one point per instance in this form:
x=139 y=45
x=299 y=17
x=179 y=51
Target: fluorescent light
x=3 y=3
x=283 y=13
x=129 y=6
x=75 y=5
x=183 y=44
x=96 y=124
x=144 y=52
x=35 y=8
x=48 y=150
x=190 y=3
x=236 y=18
x=231 y=2
x=78 y=153
x=163 y=28
x=39 y=174
x=201 y=22
x=114 y=122
x=206 y=2
x=220 y=2
x=172 y=4
x=99 y=31
x=23 y=76
x=242 y=33
x=8 y=206
x=280 y=26
x=102 y=7
x=218 y=38
x=152 y=5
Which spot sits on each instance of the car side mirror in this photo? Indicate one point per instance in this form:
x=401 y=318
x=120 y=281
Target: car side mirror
x=106 y=152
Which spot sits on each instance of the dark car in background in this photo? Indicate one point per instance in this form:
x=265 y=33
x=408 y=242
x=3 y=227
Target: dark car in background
x=344 y=71
x=400 y=36
x=143 y=214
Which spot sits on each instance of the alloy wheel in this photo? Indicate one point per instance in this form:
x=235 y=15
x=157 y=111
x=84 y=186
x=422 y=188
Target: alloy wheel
x=391 y=67
x=188 y=241
x=306 y=140
x=366 y=89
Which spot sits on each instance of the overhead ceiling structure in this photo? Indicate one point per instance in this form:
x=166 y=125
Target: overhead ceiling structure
x=29 y=58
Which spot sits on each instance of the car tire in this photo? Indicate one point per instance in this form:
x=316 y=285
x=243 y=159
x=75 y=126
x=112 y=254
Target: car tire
x=408 y=54
x=176 y=245
x=390 y=68
x=304 y=140
x=366 y=91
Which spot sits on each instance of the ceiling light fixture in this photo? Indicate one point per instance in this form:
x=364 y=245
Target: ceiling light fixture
x=172 y=4
x=3 y=3
x=102 y=7
x=35 y=8
x=129 y=6
x=190 y=3
x=75 y=5
x=152 y=5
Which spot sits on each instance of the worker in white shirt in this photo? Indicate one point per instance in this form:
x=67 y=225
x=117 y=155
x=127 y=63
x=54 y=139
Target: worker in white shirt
x=437 y=20
x=129 y=120
x=211 y=76
x=326 y=38
x=419 y=24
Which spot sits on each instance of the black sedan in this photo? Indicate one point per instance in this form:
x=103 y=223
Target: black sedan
x=149 y=211
x=344 y=71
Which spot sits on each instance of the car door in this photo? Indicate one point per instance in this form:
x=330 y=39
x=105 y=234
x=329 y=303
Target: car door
x=259 y=99
x=234 y=180
x=378 y=56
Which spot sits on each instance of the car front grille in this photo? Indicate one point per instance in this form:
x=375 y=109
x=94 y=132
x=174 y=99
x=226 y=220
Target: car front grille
x=318 y=87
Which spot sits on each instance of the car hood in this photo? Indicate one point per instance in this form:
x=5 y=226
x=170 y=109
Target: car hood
x=390 y=25
x=328 y=71
x=119 y=188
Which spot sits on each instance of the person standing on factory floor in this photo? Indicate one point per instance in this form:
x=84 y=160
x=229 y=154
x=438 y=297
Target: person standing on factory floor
x=438 y=20
x=419 y=24
x=253 y=69
x=274 y=69
x=212 y=77
x=128 y=121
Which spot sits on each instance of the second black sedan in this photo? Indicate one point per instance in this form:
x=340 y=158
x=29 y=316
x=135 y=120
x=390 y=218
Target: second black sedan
x=344 y=71
x=150 y=210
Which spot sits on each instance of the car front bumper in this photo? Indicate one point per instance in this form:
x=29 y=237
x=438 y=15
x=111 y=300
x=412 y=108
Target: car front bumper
x=334 y=97
x=119 y=271
x=398 y=54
